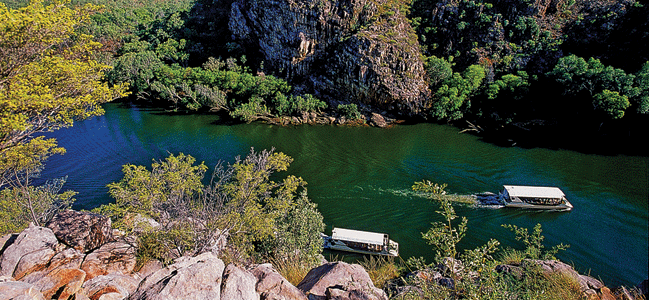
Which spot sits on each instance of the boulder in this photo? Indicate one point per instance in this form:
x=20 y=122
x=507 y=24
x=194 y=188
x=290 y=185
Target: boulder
x=19 y=290
x=590 y=287
x=109 y=286
x=555 y=266
x=238 y=284
x=378 y=120
x=340 y=280
x=515 y=271
x=69 y=258
x=118 y=256
x=61 y=283
x=149 y=268
x=189 y=278
x=111 y=296
x=30 y=252
x=273 y=286
x=83 y=231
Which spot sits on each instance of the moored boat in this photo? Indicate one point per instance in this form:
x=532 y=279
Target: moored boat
x=534 y=197
x=363 y=242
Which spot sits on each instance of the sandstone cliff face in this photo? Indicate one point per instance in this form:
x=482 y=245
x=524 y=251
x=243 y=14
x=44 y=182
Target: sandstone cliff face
x=343 y=51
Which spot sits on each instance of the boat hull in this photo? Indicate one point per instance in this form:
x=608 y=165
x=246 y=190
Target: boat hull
x=520 y=204
x=341 y=246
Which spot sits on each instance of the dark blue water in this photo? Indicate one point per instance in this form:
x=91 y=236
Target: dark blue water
x=361 y=177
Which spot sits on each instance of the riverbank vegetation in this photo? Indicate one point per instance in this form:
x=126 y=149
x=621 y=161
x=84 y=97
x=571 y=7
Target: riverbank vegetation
x=562 y=68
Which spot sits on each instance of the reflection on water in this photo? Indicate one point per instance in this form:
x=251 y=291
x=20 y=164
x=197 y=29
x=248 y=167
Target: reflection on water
x=361 y=179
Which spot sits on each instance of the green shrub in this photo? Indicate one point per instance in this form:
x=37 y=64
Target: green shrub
x=241 y=201
x=350 y=111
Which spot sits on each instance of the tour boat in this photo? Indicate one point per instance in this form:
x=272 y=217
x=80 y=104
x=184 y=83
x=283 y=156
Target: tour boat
x=534 y=197
x=363 y=242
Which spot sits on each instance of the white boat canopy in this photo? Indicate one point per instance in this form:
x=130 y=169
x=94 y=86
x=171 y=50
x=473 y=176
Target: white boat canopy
x=534 y=191
x=358 y=236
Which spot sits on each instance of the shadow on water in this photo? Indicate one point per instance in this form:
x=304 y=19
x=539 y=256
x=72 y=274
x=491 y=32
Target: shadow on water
x=627 y=139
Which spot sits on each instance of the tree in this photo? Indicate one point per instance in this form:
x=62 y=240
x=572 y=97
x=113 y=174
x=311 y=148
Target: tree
x=298 y=232
x=505 y=97
x=240 y=201
x=454 y=93
x=163 y=190
x=611 y=103
x=642 y=81
x=48 y=80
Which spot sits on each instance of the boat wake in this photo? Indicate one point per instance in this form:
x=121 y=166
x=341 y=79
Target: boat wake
x=484 y=200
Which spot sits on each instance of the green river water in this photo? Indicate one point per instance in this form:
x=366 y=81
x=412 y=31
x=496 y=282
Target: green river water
x=360 y=178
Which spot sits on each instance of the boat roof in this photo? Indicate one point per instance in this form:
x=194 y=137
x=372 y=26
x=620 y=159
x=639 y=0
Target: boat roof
x=358 y=236
x=534 y=191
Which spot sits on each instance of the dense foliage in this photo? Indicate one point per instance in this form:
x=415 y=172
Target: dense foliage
x=49 y=78
x=260 y=217
x=563 y=64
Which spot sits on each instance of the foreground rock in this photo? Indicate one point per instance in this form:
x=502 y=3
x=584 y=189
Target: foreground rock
x=189 y=278
x=117 y=256
x=273 y=286
x=83 y=231
x=119 y=285
x=238 y=284
x=340 y=280
x=35 y=265
x=29 y=252
x=10 y=289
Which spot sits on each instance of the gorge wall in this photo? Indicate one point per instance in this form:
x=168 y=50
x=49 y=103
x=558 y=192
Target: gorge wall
x=347 y=51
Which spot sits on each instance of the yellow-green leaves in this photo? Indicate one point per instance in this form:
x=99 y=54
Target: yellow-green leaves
x=48 y=77
x=240 y=200
x=147 y=192
x=48 y=80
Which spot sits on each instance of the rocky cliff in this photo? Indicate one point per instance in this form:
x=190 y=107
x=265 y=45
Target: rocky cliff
x=74 y=258
x=343 y=51
x=77 y=257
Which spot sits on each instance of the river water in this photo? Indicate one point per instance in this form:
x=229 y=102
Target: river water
x=361 y=177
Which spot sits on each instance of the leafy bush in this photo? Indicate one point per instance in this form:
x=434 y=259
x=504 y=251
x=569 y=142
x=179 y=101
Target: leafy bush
x=240 y=201
x=37 y=204
x=350 y=111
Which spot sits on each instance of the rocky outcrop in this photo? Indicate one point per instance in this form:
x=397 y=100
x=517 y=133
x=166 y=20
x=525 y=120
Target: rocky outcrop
x=340 y=280
x=115 y=284
x=273 y=286
x=117 y=256
x=238 y=284
x=10 y=289
x=83 y=231
x=347 y=51
x=35 y=265
x=189 y=278
x=29 y=252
